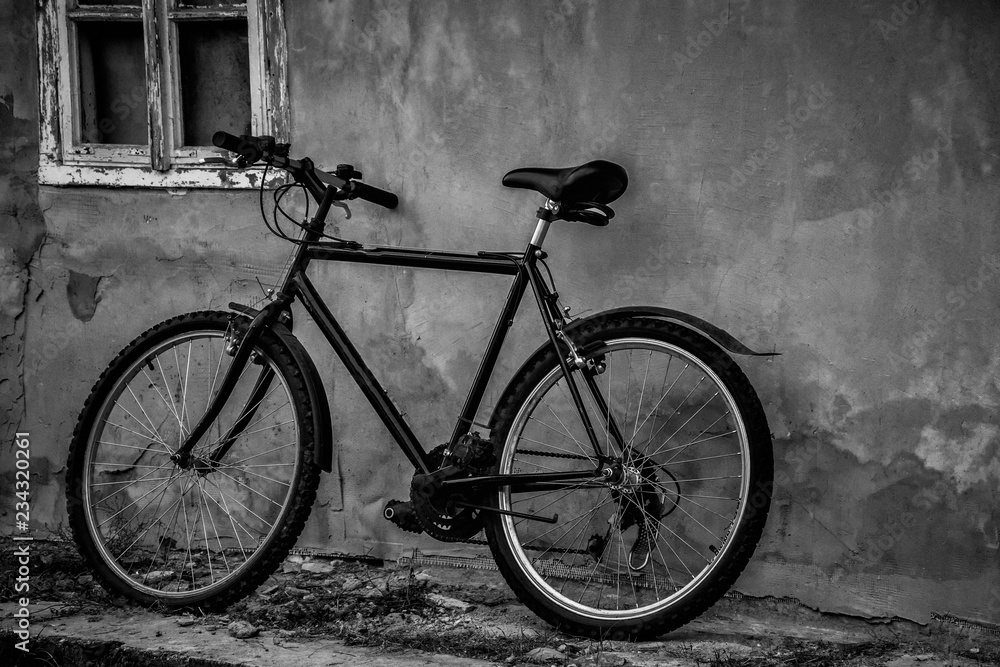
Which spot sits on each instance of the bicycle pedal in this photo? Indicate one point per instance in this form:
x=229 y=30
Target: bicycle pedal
x=401 y=513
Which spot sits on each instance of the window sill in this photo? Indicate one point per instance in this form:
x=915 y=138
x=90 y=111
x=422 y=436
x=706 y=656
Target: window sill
x=114 y=176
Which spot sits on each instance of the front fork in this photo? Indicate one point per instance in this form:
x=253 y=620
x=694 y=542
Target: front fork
x=242 y=350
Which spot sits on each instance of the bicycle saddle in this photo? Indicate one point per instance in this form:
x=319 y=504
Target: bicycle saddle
x=599 y=182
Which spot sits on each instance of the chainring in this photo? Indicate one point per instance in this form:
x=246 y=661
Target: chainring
x=437 y=512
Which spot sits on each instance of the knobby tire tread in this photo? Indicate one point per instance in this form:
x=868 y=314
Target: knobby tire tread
x=306 y=484
x=758 y=502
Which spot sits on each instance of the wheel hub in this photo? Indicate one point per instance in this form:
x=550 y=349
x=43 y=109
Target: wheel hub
x=622 y=478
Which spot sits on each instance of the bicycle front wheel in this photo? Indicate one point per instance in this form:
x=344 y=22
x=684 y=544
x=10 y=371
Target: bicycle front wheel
x=209 y=531
x=686 y=452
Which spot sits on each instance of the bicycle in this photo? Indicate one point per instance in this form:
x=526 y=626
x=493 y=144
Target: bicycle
x=623 y=487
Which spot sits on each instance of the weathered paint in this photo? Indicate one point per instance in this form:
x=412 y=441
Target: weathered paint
x=21 y=224
x=817 y=177
x=162 y=162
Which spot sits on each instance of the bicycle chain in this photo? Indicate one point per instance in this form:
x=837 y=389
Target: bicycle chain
x=532 y=452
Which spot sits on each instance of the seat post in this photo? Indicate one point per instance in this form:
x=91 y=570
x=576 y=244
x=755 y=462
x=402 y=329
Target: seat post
x=544 y=220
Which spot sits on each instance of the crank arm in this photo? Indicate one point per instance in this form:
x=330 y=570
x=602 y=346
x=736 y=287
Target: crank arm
x=519 y=515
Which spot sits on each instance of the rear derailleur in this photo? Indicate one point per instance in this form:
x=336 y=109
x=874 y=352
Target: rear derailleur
x=642 y=500
x=431 y=508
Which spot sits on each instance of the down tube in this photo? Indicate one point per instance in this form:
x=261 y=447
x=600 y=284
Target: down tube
x=366 y=381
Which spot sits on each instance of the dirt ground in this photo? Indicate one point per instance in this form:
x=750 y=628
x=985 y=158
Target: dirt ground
x=406 y=609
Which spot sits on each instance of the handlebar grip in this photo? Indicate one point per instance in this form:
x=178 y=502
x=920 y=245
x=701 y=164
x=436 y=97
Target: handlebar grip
x=228 y=141
x=374 y=195
x=246 y=145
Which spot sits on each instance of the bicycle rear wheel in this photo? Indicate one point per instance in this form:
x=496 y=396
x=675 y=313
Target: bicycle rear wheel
x=668 y=531
x=206 y=533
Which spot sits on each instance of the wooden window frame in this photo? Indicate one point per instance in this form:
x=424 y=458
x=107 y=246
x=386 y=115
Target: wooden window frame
x=64 y=160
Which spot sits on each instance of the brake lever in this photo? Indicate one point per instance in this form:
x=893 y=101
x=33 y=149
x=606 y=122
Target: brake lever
x=343 y=205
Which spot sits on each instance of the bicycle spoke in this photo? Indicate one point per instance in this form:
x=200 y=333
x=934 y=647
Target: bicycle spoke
x=155 y=433
x=538 y=537
x=698 y=442
x=154 y=479
x=250 y=511
x=256 y=474
x=215 y=529
x=703 y=458
x=204 y=532
x=159 y=500
x=704 y=405
x=676 y=410
x=248 y=488
x=134 y=481
x=153 y=490
x=566 y=452
x=215 y=376
x=232 y=519
x=664 y=394
x=566 y=430
x=270 y=451
x=187 y=375
x=162 y=538
x=127 y=466
x=215 y=443
x=183 y=532
x=613 y=555
x=642 y=392
x=170 y=395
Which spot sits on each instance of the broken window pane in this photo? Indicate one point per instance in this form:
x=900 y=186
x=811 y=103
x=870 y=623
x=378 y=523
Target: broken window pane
x=112 y=83
x=215 y=79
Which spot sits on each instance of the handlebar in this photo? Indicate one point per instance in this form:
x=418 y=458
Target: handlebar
x=373 y=194
x=253 y=149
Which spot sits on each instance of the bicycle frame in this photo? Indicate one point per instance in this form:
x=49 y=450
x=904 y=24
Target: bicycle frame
x=296 y=285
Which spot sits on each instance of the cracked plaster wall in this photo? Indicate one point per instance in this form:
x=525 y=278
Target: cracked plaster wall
x=817 y=177
x=21 y=223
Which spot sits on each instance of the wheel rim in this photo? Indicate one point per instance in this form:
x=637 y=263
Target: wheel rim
x=176 y=533
x=683 y=480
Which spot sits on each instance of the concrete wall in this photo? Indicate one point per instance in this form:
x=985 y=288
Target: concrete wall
x=817 y=177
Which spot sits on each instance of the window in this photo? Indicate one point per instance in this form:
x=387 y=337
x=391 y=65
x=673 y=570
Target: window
x=132 y=90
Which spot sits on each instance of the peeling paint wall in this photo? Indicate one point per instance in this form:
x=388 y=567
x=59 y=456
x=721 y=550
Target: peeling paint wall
x=817 y=177
x=21 y=223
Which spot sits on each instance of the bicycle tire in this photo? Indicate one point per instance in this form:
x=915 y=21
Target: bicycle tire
x=221 y=534
x=658 y=516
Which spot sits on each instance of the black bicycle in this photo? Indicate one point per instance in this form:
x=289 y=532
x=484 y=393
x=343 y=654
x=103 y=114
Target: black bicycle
x=622 y=488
